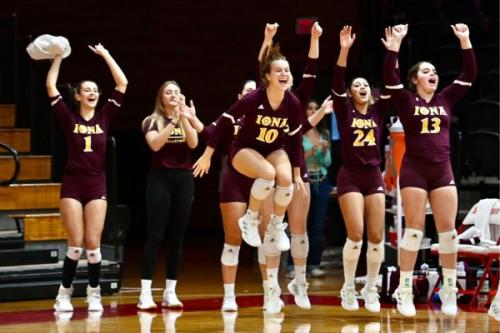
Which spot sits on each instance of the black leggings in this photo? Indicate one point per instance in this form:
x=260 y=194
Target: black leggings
x=169 y=197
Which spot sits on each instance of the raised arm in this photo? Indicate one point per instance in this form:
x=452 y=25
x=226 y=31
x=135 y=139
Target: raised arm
x=394 y=38
x=269 y=32
x=346 y=39
x=469 y=66
x=118 y=75
x=52 y=75
x=305 y=89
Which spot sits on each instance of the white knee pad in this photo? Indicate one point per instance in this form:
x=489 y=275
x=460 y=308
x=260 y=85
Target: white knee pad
x=411 y=239
x=261 y=188
x=261 y=256
x=299 y=246
x=74 y=252
x=351 y=249
x=448 y=241
x=94 y=256
x=230 y=254
x=375 y=252
x=269 y=247
x=283 y=195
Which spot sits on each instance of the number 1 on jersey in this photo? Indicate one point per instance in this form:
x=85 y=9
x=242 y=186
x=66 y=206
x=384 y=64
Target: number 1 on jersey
x=88 y=144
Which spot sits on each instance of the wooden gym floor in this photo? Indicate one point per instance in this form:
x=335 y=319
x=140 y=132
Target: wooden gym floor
x=200 y=289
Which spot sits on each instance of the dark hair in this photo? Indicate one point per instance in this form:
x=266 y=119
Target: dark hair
x=76 y=90
x=242 y=86
x=371 y=100
x=271 y=54
x=412 y=73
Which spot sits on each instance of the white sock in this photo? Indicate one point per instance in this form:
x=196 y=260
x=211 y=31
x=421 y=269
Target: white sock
x=265 y=284
x=252 y=214
x=300 y=274
x=449 y=278
x=371 y=281
x=229 y=290
x=497 y=296
x=170 y=286
x=406 y=279
x=272 y=276
x=275 y=220
x=350 y=264
x=146 y=284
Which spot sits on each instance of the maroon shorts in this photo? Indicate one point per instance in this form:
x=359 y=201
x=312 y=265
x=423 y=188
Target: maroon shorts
x=84 y=188
x=366 y=181
x=235 y=187
x=425 y=175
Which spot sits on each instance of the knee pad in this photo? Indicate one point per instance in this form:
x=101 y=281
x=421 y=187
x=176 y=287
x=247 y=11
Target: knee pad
x=94 y=256
x=283 y=195
x=411 y=239
x=74 y=253
x=261 y=256
x=269 y=247
x=351 y=249
x=230 y=254
x=375 y=252
x=448 y=242
x=261 y=188
x=299 y=246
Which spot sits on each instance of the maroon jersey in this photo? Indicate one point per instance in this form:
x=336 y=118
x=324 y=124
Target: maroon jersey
x=427 y=124
x=229 y=133
x=86 y=139
x=360 y=134
x=175 y=153
x=263 y=129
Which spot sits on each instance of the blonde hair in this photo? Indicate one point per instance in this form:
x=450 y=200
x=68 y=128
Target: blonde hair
x=158 y=114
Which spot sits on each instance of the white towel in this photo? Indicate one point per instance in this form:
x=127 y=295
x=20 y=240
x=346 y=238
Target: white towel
x=48 y=47
x=482 y=219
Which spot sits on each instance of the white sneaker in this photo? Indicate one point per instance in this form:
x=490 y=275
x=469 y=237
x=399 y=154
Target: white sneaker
x=494 y=310
x=63 y=319
x=273 y=303
x=171 y=301
x=349 y=301
x=94 y=299
x=299 y=292
x=146 y=301
x=250 y=230
x=229 y=304
x=404 y=297
x=278 y=236
x=448 y=297
x=371 y=296
x=63 y=300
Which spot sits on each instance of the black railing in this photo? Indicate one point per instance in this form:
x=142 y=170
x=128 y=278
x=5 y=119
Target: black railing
x=15 y=156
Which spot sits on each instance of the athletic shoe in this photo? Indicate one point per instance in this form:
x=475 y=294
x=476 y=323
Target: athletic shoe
x=94 y=299
x=371 y=296
x=171 y=301
x=448 y=296
x=146 y=301
x=404 y=297
x=278 y=236
x=349 y=301
x=63 y=320
x=299 y=292
x=229 y=304
x=250 y=230
x=494 y=310
x=273 y=303
x=63 y=300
